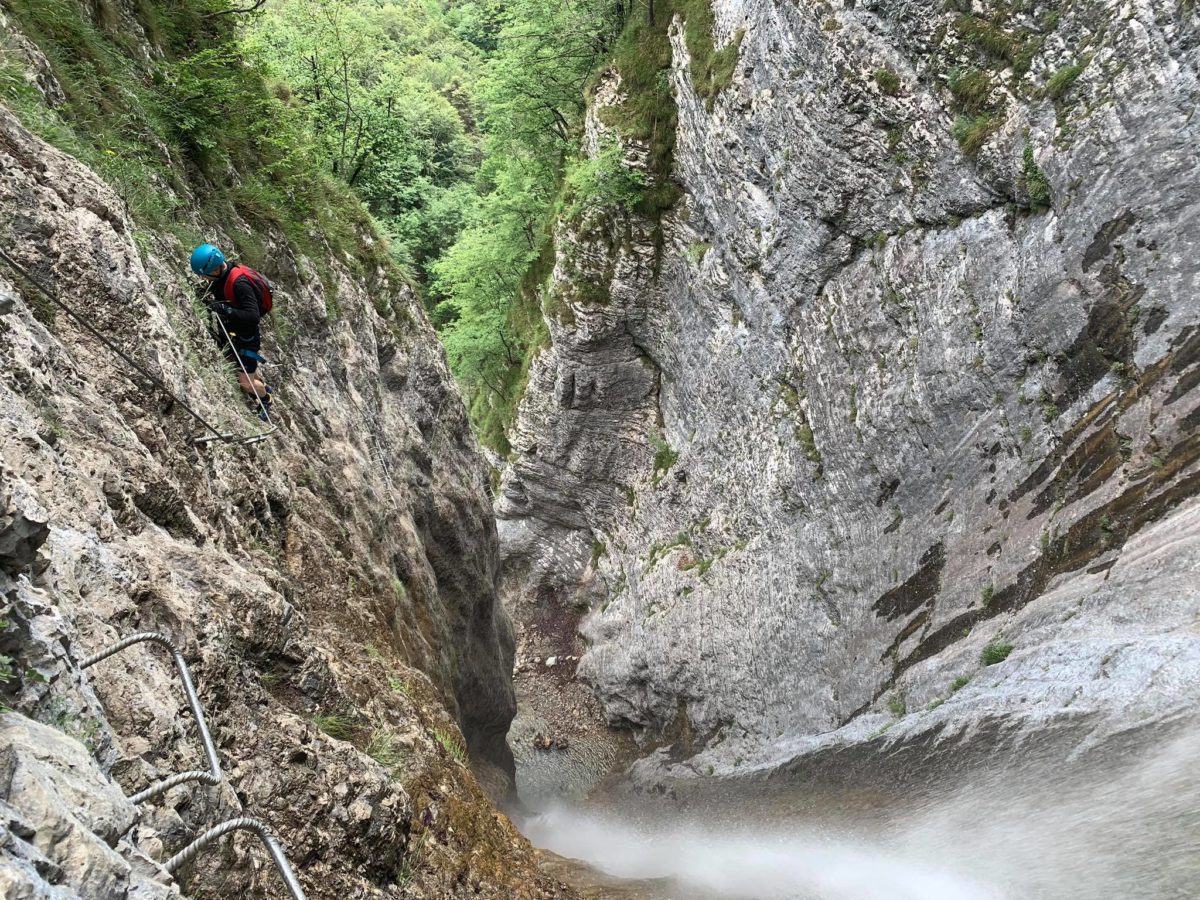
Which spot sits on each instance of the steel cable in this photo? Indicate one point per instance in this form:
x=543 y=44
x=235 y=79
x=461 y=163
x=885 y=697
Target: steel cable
x=25 y=274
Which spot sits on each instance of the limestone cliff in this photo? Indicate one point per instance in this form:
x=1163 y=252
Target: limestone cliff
x=333 y=587
x=888 y=427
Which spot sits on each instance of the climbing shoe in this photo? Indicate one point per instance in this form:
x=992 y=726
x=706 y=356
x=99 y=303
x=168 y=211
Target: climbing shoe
x=260 y=406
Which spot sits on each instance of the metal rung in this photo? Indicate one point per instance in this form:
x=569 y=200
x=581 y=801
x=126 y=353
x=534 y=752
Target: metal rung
x=254 y=439
x=213 y=775
x=212 y=438
x=264 y=833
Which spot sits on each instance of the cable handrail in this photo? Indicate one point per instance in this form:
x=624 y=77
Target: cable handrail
x=25 y=274
x=213 y=775
x=248 y=824
x=216 y=434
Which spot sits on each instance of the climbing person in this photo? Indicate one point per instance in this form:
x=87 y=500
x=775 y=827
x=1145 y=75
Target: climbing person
x=240 y=298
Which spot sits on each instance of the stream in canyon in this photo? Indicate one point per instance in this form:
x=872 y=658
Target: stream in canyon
x=1125 y=824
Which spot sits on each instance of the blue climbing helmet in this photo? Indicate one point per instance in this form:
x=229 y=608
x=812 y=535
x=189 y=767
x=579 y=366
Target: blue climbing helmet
x=206 y=259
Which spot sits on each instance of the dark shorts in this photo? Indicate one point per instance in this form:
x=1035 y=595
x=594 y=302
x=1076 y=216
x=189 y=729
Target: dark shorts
x=248 y=352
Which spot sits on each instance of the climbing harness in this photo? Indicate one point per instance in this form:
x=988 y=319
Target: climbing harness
x=212 y=776
x=216 y=434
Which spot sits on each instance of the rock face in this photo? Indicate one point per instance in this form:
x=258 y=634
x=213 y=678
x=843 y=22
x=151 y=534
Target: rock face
x=333 y=588
x=69 y=825
x=878 y=400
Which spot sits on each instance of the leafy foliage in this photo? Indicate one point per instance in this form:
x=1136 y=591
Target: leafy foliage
x=385 y=89
x=602 y=182
x=195 y=129
x=449 y=129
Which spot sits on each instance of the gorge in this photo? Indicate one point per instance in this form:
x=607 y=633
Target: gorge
x=843 y=544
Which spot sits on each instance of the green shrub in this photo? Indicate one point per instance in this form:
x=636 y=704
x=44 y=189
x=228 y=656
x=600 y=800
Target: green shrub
x=896 y=704
x=995 y=652
x=603 y=182
x=959 y=683
x=1037 y=186
x=888 y=81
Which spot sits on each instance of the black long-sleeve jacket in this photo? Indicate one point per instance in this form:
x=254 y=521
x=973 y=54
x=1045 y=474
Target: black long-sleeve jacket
x=246 y=306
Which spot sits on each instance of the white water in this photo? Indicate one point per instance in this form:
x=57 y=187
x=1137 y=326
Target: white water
x=745 y=865
x=1132 y=833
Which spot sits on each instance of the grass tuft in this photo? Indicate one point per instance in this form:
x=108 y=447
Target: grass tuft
x=664 y=456
x=986 y=594
x=336 y=726
x=1037 y=186
x=971 y=89
x=972 y=132
x=382 y=748
x=1062 y=81
x=888 y=81
x=451 y=745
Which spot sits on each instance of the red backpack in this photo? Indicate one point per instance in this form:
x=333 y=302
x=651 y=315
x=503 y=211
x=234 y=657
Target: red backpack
x=260 y=283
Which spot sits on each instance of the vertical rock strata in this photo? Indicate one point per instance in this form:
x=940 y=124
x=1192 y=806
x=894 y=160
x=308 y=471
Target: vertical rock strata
x=333 y=588
x=909 y=373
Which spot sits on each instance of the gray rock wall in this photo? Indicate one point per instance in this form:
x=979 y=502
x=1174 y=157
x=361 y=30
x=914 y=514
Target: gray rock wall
x=911 y=406
x=334 y=587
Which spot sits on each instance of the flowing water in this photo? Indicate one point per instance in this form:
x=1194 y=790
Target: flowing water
x=1125 y=830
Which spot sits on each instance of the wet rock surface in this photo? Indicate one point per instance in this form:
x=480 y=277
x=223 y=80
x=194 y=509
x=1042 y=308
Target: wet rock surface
x=876 y=408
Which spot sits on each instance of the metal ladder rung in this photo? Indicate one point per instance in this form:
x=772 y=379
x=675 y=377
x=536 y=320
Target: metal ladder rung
x=212 y=776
